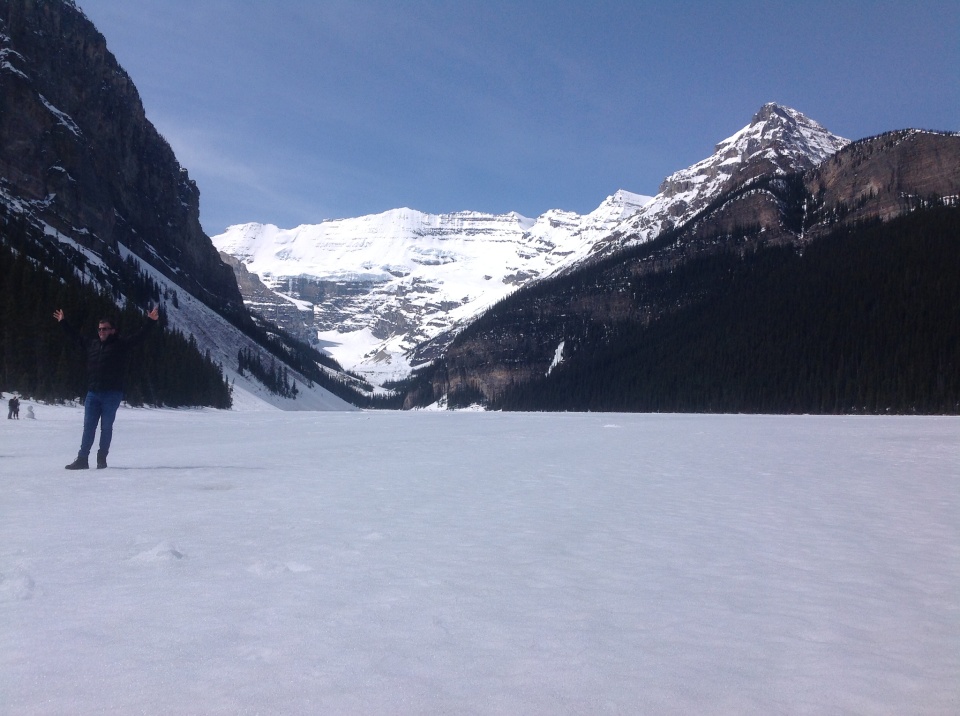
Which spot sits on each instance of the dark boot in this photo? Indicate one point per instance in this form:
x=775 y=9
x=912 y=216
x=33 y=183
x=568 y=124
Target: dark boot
x=101 y=460
x=79 y=464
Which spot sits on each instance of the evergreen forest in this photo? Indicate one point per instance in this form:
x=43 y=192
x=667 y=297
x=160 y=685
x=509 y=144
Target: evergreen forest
x=38 y=361
x=864 y=320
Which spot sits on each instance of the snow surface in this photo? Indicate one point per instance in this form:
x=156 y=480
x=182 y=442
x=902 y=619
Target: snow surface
x=62 y=117
x=474 y=563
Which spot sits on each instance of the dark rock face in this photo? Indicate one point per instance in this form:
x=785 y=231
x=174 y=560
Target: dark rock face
x=77 y=151
x=885 y=176
x=269 y=305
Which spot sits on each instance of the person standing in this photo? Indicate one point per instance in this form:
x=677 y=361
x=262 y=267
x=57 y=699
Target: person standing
x=106 y=363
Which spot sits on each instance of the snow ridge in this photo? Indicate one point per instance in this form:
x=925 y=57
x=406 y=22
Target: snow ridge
x=395 y=279
x=778 y=139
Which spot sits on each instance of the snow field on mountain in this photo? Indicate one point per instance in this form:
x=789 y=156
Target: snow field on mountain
x=379 y=246
x=424 y=272
x=357 y=563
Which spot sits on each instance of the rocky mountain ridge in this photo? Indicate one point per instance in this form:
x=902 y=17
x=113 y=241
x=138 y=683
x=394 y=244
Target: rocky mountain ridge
x=390 y=291
x=521 y=340
x=778 y=141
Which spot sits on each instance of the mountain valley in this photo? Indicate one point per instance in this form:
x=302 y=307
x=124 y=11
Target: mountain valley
x=563 y=311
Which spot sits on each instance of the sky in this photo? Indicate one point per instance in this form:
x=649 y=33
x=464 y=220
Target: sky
x=296 y=111
x=387 y=562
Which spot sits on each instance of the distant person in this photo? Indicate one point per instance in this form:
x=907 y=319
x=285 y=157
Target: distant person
x=16 y=408
x=106 y=363
x=13 y=408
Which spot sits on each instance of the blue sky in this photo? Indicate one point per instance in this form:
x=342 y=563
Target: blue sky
x=296 y=111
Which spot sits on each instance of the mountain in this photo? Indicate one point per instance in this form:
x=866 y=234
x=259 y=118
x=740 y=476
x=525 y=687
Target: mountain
x=389 y=292
x=380 y=285
x=682 y=301
x=862 y=320
x=91 y=192
x=778 y=141
x=78 y=152
x=612 y=316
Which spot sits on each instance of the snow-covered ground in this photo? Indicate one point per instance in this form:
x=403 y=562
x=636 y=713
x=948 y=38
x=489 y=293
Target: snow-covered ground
x=473 y=563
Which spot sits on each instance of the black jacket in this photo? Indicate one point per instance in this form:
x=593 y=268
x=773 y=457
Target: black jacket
x=106 y=360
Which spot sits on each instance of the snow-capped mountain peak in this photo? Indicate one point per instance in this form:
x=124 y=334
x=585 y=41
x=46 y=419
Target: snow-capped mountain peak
x=777 y=140
x=776 y=135
x=617 y=207
x=778 y=132
x=385 y=282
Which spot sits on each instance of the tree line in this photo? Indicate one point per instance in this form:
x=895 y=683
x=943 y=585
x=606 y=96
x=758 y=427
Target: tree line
x=864 y=320
x=275 y=377
x=38 y=361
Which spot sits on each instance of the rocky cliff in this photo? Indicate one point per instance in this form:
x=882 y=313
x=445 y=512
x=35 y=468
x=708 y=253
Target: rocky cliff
x=90 y=191
x=78 y=153
x=884 y=177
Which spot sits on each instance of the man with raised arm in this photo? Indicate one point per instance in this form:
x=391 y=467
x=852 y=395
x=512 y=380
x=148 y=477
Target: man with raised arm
x=106 y=363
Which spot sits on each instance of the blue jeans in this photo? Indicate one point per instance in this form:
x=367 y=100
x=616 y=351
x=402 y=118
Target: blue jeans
x=99 y=406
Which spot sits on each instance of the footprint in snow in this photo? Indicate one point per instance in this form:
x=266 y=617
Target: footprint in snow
x=262 y=654
x=162 y=552
x=271 y=569
x=16 y=586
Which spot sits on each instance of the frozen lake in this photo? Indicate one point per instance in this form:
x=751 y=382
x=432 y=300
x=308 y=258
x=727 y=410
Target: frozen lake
x=481 y=563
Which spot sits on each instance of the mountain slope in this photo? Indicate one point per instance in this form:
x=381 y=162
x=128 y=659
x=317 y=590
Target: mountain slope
x=777 y=143
x=865 y=320
x=78 y=152
x=382 y=284
x=89 y=182
x=587 y=310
